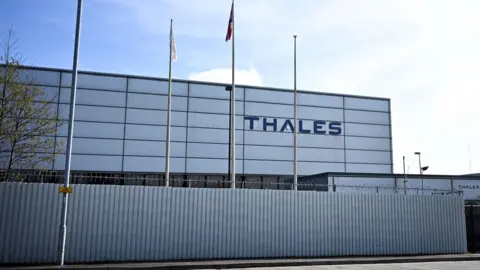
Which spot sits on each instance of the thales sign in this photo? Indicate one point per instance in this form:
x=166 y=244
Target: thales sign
x=286 y=125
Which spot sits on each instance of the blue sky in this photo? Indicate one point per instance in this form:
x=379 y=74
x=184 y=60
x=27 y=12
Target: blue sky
x=422 y=54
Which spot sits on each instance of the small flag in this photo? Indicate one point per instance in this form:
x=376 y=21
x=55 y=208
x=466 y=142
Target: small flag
x=173 y=49
x=230 y=25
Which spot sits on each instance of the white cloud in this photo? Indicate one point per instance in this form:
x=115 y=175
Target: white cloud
x=224 y=75
x=422 y=54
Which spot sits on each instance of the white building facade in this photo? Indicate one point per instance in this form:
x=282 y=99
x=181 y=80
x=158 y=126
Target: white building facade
x=120 y=126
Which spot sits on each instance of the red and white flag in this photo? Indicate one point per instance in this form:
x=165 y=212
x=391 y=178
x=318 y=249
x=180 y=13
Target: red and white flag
x=230 y=26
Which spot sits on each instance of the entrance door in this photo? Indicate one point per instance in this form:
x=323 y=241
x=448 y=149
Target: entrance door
x=472 y=216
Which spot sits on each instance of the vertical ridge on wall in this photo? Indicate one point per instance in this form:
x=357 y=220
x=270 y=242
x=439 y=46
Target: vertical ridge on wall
x=136 y=223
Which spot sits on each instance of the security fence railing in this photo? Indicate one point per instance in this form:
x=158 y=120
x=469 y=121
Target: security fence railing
x=205 y=181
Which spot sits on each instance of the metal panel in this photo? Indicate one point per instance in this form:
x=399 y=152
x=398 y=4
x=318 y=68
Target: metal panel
x=315 y=99
x=315 y=154
x=213 y=91
x=148 y=86
x=271 y=96
x=213 y=166
x=369 y=168
x=214 y=106
x=93 y=130
x=135 y=223
x=96 y=82
x=367 y=117
x=367 y=130
x=319 y=114
x=146 y=101
x=94 y=97
x=50 y=94
x=286 y=139
x=268 y=167
x=309 y=168
x=359 y=156
x=286 y=111
x=94 y=113
x=286 y=153
x=152 y=164
x=93 y=146
x=154 y=117
x=39 y=77
x=205 y=150
x=367 y=143
x=155 y=133
x=213 y=120
x=156 y=87
x=366 y=104
x=209 y=135
x=90 y=163
x=269 y=110
x=153 y=148
x=41 y=161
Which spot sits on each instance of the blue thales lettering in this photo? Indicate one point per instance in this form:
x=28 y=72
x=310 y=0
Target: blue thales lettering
x=286 y=125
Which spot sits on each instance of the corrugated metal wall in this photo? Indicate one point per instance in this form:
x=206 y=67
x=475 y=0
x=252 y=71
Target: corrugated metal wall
x=134 y=223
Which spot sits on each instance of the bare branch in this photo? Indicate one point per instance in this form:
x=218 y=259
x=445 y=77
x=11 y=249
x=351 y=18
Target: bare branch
x=28 y=119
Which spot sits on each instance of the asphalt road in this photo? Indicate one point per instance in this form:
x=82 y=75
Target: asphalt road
x=469 y=265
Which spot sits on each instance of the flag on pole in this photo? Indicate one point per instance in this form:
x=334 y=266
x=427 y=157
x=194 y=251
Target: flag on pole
x=173 y=48
x=230 y=25
x=231 y=35
x=173 y=57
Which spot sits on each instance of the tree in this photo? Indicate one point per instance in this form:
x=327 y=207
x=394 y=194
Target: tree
x=28 y=119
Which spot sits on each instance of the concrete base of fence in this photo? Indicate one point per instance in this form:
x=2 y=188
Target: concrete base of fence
x=229 y=264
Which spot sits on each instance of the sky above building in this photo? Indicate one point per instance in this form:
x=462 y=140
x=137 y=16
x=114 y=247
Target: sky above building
x=424 y=55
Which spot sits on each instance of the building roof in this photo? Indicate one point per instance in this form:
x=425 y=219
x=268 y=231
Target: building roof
x=198 y=82
x=472 y=174
x=387 y=175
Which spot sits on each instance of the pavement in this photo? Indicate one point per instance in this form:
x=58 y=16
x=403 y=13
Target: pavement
x=469 y=261
x=395 y=266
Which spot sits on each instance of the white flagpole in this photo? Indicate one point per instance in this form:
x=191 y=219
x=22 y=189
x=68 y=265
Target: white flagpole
x=71 y=120
x=232 y=129
x=172 y=57
x=295 y=183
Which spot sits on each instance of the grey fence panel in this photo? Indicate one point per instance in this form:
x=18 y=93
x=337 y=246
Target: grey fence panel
x=135 y=223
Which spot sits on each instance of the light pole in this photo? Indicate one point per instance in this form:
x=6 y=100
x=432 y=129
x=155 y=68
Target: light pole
x=62 y=239
x=228 y=88
x=420 y=166
x=295 y=176
x=404 y=177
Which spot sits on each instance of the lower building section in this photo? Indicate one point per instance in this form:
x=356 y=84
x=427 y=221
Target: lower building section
x=151 y=179
x=467 y=186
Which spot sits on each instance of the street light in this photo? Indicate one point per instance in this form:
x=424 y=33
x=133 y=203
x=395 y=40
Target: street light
x=422 y=169
x=419 y=162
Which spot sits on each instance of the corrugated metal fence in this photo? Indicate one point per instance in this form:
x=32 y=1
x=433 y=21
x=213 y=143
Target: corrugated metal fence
x=134 y=223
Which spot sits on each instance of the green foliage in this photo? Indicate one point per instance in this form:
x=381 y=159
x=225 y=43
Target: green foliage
x=28 y=119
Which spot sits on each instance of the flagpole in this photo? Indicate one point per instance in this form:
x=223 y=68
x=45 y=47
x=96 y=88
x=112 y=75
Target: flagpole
x=232 y=129
x=295 y=183
x=169 y=108
x=71 y=119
